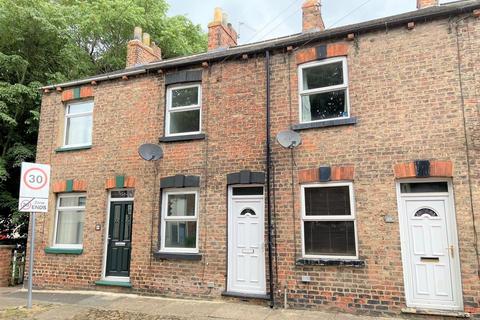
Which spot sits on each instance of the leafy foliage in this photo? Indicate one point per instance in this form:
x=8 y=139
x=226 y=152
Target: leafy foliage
x=50 y=41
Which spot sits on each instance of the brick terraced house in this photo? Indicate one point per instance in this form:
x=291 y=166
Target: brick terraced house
x=373 y=213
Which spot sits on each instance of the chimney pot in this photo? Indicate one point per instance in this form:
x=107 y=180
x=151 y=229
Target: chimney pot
x=217 y=15
x=140 y=50
x=421 y=4
x=220 y=32
x=146 y=39
x=137 y=33
x=311 y=16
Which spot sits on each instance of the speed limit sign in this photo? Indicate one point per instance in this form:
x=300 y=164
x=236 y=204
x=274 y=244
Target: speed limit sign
x=34 y=187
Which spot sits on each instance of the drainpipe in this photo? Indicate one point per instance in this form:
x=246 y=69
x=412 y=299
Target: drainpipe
x=269 y=162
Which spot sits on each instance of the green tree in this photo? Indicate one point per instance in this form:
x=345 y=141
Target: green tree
x=50 y=41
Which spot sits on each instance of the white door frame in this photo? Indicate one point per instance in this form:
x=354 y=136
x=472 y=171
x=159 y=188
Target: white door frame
x=451 y=225
x=231 y=243
x=105 y=234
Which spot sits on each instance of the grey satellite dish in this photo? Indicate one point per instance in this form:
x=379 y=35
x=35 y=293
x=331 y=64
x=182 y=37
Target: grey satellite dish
x=289 y=139
x=150 y=152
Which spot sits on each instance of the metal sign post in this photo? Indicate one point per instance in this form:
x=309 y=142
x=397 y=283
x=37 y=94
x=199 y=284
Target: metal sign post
x=34 y=191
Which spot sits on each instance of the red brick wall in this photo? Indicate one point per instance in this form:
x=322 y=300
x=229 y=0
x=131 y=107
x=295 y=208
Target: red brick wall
x=5 y=265
x=404 y=90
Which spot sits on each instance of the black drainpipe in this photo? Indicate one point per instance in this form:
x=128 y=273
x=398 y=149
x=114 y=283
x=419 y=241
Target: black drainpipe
x=269 y=162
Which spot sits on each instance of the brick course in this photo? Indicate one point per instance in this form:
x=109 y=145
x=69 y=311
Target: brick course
x=405 y=92
x=5 y=265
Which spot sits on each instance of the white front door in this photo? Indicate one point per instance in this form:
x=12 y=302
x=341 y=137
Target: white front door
x=429 y=248
x=246 y=254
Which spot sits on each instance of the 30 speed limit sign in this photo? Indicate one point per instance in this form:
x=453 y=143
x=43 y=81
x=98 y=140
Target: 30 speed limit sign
x=34 y=187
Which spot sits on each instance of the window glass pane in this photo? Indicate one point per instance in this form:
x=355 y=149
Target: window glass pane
x=330 y=238
x=323 y=76
x=327 y=201
x=73 y=201
x=180 y=234
x=79 y=130
x=181 y=205
x=424 y=187
x=80 y=108
x=184 y=97
x=325 y=105
x=122 y=194
x=69 y=227
x=248 y=191
x=185 y=121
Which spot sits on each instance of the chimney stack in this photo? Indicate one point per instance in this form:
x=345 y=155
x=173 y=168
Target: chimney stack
x=140 y=50
x=426 y=3
x=312 y=16
x=221 y=34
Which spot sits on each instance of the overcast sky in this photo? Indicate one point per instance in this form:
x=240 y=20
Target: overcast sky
x=257 y=20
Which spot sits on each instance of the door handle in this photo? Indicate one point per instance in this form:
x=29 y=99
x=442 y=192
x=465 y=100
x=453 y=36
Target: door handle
x=452 y=250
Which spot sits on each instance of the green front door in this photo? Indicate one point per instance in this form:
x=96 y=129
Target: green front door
x=119 y=239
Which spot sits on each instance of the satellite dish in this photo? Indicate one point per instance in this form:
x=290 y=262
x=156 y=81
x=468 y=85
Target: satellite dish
x=150 y=152
x=289 y=139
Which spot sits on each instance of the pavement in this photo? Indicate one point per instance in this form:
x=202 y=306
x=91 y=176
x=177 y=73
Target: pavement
x=93 y=305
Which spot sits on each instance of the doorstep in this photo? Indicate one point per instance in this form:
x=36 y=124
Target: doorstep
x=246 y=295
x=432 y=312
x=109 y=283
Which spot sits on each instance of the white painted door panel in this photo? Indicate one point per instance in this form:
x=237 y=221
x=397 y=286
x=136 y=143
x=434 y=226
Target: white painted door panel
x=246 y=250
x=428 y=261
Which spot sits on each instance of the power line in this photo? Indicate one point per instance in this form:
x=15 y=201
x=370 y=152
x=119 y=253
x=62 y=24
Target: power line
x=349 y=13
x=273 y=20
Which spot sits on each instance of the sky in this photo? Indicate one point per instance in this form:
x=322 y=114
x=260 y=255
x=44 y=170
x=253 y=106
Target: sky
x=257 y=20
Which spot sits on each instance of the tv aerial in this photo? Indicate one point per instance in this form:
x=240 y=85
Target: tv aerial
x=289 y=139
x=150 y=152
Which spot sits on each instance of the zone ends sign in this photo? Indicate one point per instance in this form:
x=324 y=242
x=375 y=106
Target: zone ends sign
x=34 y=187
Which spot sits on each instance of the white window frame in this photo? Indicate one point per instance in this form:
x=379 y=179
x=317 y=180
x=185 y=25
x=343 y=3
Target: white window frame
x=183 y=108
x=343 y=86
x=165 y=218
x=57 y=209
x=76 y=115
x=351 y=217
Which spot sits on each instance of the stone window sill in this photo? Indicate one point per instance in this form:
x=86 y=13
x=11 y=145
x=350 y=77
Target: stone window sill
x=113 y=283
x=52 y=250
x=354 y=263
x=178 y=256
x=189 y=137
x=69 y=149
x=325 y=124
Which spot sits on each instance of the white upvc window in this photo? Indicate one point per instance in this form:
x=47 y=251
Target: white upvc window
x=69 y=221
x=78 y=124
x=179 y=223
x=184 y=110
x=328 y=221
x=323 y=90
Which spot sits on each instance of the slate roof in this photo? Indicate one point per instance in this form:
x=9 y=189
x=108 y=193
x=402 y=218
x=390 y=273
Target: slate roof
x=299 y=39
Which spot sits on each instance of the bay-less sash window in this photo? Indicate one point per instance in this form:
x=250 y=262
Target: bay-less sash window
x=78 y=124
x=183 y=114
x=69 y=221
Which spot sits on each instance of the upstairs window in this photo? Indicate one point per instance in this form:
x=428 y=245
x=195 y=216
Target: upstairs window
x=78 y=124
x=324 y=90
x=183 y=114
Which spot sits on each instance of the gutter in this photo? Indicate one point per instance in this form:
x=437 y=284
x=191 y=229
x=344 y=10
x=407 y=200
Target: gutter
x=269 y=164
x=422 y=15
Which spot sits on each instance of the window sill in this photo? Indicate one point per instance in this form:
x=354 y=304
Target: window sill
x=53 y=250
x=325 y=124
x=355 y=263
x=178 y=256
x=189 y=137
x=113 y=283
x=68 y=149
